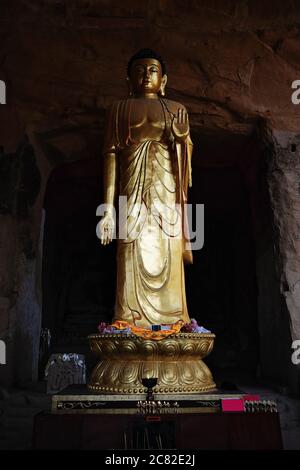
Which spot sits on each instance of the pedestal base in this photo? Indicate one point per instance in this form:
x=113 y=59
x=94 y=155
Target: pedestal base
x=77 y=400
x=176 y=362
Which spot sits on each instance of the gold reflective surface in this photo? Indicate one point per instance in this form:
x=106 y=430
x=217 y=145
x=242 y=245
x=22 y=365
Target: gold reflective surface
x=147 y=160
x=176 y=362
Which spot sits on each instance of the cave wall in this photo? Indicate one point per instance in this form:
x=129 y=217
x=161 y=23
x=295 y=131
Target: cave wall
x=283 y=181
x=231 y=63
x=227 y=61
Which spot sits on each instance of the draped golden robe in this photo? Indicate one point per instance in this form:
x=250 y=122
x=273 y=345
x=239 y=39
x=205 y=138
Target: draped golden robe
x=153 y=174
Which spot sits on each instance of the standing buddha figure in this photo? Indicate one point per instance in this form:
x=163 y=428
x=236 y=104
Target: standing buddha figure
x=147 y=154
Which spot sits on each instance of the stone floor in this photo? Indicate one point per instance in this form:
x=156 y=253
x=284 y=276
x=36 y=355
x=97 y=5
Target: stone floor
x=17 y=410
x=18 y=407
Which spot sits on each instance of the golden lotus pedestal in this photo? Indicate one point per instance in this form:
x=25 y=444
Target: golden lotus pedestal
x=176 y=362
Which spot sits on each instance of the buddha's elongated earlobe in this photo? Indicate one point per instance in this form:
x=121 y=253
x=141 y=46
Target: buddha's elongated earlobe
x=163 y=85
x=130 y=92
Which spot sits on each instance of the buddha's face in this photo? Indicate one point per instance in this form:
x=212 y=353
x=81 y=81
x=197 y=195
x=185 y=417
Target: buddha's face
x=146 y=77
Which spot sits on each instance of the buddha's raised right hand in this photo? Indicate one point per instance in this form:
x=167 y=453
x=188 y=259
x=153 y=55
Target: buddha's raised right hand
x=180 y=125
x=106 y=227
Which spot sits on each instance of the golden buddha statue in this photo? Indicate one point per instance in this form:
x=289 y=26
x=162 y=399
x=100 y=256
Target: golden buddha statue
x=147 y=155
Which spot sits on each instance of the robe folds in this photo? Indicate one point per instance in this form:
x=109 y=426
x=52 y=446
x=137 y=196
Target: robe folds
x=153 y=178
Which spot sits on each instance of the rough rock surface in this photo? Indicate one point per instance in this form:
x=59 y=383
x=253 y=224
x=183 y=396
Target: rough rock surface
x=284 y=182
x=230 y=63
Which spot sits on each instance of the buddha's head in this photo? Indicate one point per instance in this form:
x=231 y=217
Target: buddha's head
x=146 y=74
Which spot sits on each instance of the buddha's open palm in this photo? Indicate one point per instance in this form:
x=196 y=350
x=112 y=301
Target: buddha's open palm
x=107 y=226
x=180 y=125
